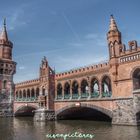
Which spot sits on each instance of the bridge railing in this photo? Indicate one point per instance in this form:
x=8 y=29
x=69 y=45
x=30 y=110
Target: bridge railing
x=26 y=99
x=94 y=95
x=107 y=94
x=84 y=96
x=67 y=96
x=75 y=96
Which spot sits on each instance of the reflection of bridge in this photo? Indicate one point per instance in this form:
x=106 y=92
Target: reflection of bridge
x=106 y=91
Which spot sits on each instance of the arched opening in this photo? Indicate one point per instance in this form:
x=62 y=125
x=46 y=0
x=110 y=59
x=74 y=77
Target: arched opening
x=32 y=93
x=136 y=79
x=66 y=90
x=28 y=93
x=75 y=87
x=16 y=95
x=43 y=91
x=84 y=89
x=37 y=92
x=25 y=111
x=106 y=87
x=75 y=93
x=24 y=93
x=4 y=84
x=84 y=86
x=1 y=71
x=59 y=91
x=20 y=94
x=94 y=88
x=83 y=113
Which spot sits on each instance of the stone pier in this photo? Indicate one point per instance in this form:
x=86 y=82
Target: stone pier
x=44 y=115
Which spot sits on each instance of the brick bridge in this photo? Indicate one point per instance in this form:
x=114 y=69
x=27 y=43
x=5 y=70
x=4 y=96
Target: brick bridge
x=109 y=89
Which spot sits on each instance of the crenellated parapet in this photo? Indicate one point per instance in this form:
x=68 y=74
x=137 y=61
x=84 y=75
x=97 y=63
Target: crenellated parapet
x=83 y=70
x=131 y=54
x=27 y=83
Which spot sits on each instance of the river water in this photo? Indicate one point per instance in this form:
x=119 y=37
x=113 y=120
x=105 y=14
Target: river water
x=26 y=129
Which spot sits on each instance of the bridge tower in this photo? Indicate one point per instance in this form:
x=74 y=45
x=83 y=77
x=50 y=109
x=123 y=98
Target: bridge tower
x=115 y=47
x=46 y=95
x=7 y=70
x=46 y=78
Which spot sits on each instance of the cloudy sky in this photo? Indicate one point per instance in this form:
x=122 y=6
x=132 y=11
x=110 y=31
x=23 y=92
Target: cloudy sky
x=70 y=33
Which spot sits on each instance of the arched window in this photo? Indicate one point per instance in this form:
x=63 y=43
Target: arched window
x=28 y=93
x=24 y=93
x=32 y=93
x=16 y=95
x=67 y=88
x=75 y=87
x=4 y=84
x=94 y=85
x=84 y=86
x=59 y=89
x=43 y=91
x=106 y=87
x=136 y=79
x=20 y=94
x=37 y=92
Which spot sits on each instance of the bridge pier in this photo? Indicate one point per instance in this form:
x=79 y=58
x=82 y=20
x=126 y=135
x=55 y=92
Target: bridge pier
x=128 y=111
x=44 y=115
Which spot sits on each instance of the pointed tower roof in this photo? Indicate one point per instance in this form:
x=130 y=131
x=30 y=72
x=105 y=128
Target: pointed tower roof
x=113 y=25
x=3 y=34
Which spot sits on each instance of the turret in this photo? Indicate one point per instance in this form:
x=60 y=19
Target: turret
x=5 y=45
x=7 y=70
x=114 y=39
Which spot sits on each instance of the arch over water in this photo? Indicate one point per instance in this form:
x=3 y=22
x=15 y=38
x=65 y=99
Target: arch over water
x=25 y=110
x=84 y=111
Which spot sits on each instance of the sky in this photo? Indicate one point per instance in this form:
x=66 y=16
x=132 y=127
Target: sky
x=70 y=33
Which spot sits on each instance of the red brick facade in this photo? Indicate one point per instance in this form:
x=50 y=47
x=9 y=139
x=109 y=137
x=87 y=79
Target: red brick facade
x=102 y=85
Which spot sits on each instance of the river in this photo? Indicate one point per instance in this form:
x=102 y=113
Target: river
x=24 y=128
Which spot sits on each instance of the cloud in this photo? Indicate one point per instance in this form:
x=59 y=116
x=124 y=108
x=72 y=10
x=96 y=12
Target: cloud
x=77 y=61
x=15 y=16
x=15 y=20
x=21 y=67
x=76 y=35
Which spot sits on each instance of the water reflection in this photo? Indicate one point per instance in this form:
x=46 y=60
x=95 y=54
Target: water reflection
x=26 y=129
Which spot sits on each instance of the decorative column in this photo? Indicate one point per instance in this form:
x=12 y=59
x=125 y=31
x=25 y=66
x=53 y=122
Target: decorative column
x=30 y=93
x=89 y=86
x=100 y=89
x=22 y=94
x=63 y=92
x=35 y=93
x=79 y=90
x=26 y=94
x=70 y=88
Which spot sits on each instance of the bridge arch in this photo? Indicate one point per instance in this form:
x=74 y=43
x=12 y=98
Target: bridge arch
x=60 y=114
x=25 y=110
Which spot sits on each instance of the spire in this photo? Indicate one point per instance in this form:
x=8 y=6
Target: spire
x=3 y=34
x=113 y=25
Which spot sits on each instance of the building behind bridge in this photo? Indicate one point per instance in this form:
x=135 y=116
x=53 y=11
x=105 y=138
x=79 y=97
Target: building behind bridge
x=111 y=87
